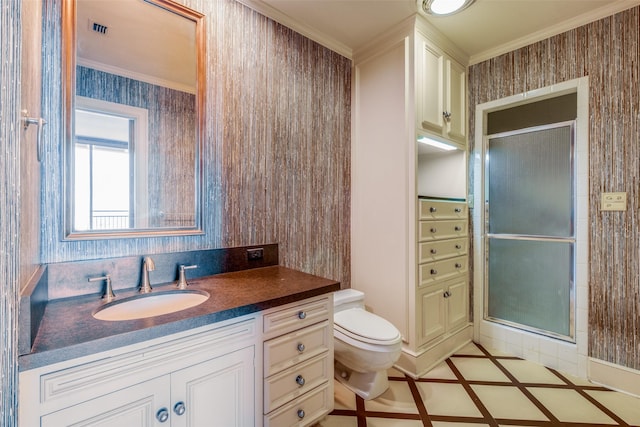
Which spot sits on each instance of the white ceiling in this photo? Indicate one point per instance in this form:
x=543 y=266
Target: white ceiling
x=486 y=29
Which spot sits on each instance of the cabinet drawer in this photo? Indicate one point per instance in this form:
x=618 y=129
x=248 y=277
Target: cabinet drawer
x=304 y=411
x=437 y=209
x=285 y=351
x=295 y=381
x=435 y=230
x=440 y=270
x=441 y=249
x=297 y=316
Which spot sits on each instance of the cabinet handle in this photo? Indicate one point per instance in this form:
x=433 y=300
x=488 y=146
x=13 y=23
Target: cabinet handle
x=432 y=209
x=446 y=115
x=433 y=229
x=457 y=210
x=447 y=294
x=300 y=347
x=301 y=413
x=162 y=415
x=457 y=228
x=300 y=380
x=433 y=251
x=458 y=246
x=179 y=408
x=434 y=272
x=458 y=265
x=302 y=315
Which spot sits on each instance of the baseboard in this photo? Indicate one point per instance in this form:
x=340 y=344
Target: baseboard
x=615 y=377
x=416 y=364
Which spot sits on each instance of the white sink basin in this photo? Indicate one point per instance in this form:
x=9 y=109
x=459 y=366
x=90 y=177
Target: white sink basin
x=150 y=305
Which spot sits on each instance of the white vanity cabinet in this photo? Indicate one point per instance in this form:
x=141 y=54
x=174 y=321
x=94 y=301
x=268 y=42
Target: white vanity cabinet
x=298 y=362
x=441 y=93
x=203 y=377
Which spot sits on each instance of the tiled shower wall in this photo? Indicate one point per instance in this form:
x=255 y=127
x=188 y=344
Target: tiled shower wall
x=276 y=150
x=608 y=51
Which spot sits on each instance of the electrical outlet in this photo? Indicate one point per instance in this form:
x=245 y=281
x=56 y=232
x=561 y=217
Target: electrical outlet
x=614 y=202
x=255 y=254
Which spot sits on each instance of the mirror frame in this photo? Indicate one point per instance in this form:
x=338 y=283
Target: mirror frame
x=69 y=39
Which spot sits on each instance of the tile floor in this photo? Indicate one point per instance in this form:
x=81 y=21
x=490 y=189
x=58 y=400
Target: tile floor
x=476 y=387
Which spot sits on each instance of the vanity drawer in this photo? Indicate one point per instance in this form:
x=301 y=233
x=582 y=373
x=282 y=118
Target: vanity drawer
x=285 y=351
x=438 y=209
x=295 y=381
x=436 y=230
x=298 y=316
x=440 y=270
x=304 y=411
x=441 y=249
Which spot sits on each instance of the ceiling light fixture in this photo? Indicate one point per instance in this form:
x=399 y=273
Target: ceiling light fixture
x=444 y=7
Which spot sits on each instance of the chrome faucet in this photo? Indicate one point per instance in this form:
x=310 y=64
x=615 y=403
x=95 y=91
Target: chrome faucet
x=181 y=283
x=108 y=295
x=147 y=266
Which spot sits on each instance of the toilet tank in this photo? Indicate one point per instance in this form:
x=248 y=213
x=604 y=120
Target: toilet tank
x=347 y=298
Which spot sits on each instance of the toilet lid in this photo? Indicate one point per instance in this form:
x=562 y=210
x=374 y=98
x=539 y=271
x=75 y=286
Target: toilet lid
x=364 y=326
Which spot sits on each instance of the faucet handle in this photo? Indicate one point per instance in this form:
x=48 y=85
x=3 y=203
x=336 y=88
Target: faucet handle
x=182 y=279
x=108 y=295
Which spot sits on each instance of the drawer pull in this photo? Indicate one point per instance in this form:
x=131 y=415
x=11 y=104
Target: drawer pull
x=458 y=246
x=457 y=228
x=457 y=210
x=179 y=408
x=162 y=415
x=302 y=315
x=433 y=251
x=301 y=413
x=432 y=209
x=458 y=265
x=447 y=294
x=300 y=348
x=300 y=380
x=434 y=272
x=433 y=230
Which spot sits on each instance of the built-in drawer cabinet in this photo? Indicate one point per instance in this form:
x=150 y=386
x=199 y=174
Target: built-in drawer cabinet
x=298 y=363
x=443 y=264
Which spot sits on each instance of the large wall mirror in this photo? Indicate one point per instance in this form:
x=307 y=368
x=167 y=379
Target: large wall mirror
x=134 y=99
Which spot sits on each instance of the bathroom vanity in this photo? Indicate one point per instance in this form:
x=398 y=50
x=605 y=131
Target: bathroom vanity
x=258 y=352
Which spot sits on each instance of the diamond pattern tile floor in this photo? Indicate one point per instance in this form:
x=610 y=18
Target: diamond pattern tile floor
x=476 y=387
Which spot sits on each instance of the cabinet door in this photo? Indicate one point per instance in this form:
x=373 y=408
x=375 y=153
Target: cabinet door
x=216 y=393
x=430 y=89
x=431 y=310
x=135 y=406
x=456 y=101
x=457 y=295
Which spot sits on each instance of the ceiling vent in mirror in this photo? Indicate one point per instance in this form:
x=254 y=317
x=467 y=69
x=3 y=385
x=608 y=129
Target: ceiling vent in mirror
x=98 y=28
x=443 y=7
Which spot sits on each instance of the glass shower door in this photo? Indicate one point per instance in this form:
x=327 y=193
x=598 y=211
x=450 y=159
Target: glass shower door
x=529 y=227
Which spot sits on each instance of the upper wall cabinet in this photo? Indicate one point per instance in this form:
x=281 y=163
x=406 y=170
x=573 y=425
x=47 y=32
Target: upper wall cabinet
x=441 y=93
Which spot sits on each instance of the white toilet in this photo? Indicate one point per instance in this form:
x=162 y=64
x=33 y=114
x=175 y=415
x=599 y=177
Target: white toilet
x=365 y=345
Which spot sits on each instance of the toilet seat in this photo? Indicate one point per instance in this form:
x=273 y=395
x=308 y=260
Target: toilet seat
x=367 y=327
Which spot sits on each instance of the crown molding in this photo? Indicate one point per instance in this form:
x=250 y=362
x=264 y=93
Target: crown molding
x=567 y=25
x=305 y=30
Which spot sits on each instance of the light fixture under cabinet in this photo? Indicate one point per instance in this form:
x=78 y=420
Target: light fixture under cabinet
x=436 y=144
x=443 y=7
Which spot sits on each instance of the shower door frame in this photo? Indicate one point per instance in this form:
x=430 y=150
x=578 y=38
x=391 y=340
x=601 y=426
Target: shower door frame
x=572 y=240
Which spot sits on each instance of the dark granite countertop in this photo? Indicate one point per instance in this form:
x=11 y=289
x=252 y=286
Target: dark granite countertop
x=69 y=330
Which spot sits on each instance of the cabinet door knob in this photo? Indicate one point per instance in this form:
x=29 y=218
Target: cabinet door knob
x=457 y=210
x=433 y=229
x=302 y=315
x=432 y=209
x=446 y=115
x=300 y=380
x=458 y=265
x=457 y=228
x=433 y=251
x=447 y=294
x=458 y=246
x=434 y=272
x=162 y=415
x=301 y=413
x=300 y=347
x=179 y=408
